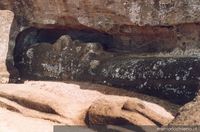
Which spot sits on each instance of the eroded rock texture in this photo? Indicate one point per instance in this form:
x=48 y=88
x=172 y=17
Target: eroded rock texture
x=136 y=25
x=128 y=39
x=188 y=114
x=51 y=103
x=123 y=50
x=105 y=14
x=175 y=79
x=129 y=26
x=6 y=19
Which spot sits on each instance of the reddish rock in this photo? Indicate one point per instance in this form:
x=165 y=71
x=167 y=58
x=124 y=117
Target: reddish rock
x=189 y=114
x=67 y=104
x=104 y=14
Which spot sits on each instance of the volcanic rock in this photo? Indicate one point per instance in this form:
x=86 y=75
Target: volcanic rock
x=172 y=78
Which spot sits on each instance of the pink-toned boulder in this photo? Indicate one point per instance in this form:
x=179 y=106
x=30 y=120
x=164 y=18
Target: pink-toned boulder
x=67 y=104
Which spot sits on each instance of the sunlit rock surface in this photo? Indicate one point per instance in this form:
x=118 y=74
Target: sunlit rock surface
x=40 y=105
x=15 y=122
x=6 y=19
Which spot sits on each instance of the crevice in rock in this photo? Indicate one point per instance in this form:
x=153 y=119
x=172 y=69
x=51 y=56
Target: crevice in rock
x=8 y=107
x=138 y=40
x=31 y=36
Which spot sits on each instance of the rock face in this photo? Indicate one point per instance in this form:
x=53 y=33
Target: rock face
x=123 y=50
x=108 y=112
x=175 y=79
x=138 y=40
x=6 y=19
x=172 y=78
x=189 y=114
x=105 y=14
x=65 y=59
x=67 y=104
x=139 y=27
x=136 y=26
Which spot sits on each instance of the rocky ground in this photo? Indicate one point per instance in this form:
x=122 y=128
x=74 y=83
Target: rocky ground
x=129 y=46
x=171 y=107
x=40 y=105
x=189 y=114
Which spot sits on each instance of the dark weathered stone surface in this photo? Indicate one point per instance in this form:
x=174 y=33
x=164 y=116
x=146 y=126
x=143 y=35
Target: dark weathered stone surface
x=175 y=79
x=65 y=59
